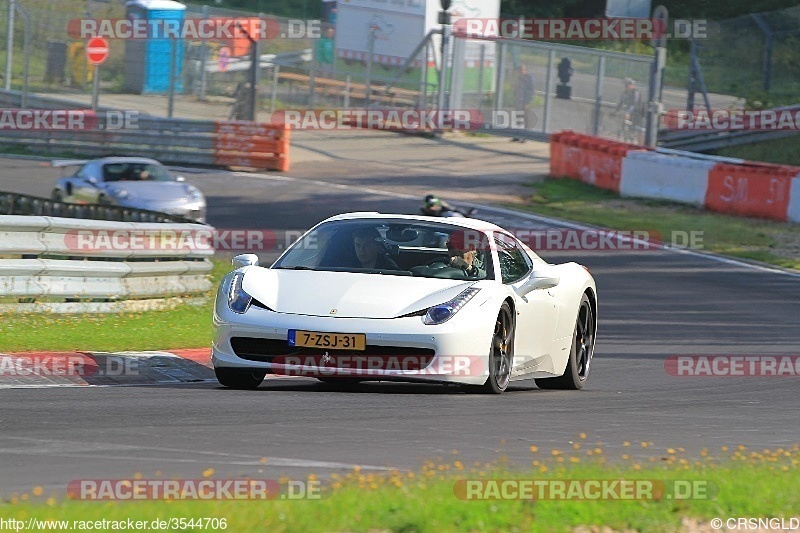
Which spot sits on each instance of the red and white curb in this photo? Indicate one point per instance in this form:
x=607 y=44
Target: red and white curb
x=77 y=369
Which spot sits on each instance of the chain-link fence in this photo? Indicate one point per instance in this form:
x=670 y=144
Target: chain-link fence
x=753 y=55
x=310 y=67
x=588 y=102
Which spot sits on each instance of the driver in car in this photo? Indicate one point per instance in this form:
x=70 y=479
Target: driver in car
x=463 y=257
x=371 y=251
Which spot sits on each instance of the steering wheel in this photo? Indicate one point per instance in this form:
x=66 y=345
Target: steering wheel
x=440 y=261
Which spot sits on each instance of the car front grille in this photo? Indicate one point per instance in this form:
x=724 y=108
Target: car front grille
x=374 y=357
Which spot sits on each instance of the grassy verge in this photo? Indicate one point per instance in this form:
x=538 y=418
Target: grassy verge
x=185 y=326
x=737 y=483
x=782 y=151
x=761 y=240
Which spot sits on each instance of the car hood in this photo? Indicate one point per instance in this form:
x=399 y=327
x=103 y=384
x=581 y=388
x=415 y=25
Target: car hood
x=351 y=295
x=152 y=191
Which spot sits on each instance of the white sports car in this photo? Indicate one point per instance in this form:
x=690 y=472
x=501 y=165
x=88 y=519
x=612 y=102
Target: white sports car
x=370 y=296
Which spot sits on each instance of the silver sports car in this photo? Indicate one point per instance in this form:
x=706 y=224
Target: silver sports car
x=130 y=182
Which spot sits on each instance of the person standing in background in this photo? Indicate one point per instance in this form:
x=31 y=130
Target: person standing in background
x=523 y=94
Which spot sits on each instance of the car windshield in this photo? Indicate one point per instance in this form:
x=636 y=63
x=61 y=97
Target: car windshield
x=393 y=247
x=135 y=171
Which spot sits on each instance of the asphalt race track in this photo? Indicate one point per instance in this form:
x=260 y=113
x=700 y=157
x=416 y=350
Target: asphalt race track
x=653 y=304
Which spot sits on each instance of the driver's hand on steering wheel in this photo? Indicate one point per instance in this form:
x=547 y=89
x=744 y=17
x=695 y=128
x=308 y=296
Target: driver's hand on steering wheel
x=463 y=261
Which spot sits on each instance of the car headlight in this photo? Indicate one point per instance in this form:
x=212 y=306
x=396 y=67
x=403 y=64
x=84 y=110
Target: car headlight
x=439 y=314
x=238 y=300
x=193 y=192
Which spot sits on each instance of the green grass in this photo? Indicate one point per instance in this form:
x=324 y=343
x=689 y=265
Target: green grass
x=782 y=151
x=761 y=240
x=741 y=482
x=184 y=326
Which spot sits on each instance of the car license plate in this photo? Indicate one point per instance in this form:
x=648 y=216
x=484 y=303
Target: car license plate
x=331 y=341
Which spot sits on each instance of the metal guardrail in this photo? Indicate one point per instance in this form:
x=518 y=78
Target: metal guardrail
x=63 y=263
x=710 y=140
x=169 y=140
x=24 y=204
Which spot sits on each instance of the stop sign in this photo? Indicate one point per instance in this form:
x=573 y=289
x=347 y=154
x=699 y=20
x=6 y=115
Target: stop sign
x=97 y=50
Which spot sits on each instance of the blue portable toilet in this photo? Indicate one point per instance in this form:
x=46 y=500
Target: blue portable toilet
x=148 y=61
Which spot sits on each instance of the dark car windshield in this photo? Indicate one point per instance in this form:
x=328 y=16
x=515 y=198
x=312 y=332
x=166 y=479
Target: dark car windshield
x=393 y=247
x=135 y=171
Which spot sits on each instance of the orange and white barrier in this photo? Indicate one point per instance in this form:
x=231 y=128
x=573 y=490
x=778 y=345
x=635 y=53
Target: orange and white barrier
x=732 y=186
x=251 y=144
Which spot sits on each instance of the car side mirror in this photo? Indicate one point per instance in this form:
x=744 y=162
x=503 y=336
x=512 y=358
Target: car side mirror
x=544 y=278
x=92 y=180
x=180 y=178
x=243 y=260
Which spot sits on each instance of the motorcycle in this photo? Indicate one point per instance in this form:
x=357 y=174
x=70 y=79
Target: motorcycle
x=434 y=207
x=449 y=212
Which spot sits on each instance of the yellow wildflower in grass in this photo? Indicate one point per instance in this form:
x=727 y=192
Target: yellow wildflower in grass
x=37 y=491
x=208 y=472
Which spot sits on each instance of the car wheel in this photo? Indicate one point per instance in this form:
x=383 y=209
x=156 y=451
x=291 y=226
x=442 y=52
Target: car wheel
x=236 y=378
x=580 y=355
x=501 y=353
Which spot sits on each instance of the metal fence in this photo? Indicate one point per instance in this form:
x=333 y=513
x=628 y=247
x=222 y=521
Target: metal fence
x=587 y=105
x=753 y=54
x=295 y=73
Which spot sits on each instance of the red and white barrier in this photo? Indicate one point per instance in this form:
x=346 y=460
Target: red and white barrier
x=793 y=211
x=736 y=187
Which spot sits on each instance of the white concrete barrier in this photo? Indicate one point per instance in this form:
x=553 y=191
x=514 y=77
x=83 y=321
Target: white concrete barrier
x=668 y=177
x=793 y=212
